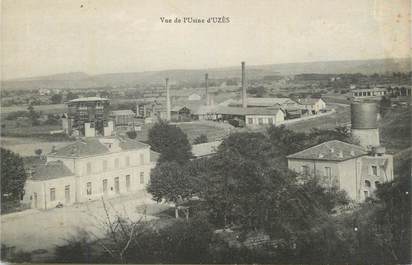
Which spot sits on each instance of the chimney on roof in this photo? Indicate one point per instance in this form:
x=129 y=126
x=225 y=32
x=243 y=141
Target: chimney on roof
x=168 y=107
x=207 y=89
x=244 y=93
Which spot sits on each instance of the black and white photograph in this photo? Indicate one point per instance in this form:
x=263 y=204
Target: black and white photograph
x=205 y=132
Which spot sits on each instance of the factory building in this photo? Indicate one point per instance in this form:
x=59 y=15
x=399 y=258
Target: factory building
x=89 y=169
x=88 y=117
x=355 y=168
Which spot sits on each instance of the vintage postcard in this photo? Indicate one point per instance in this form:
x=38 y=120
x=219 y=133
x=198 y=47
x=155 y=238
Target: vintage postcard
x=188 y=132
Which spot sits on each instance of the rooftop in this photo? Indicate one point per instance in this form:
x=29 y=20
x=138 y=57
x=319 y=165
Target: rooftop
x=95 y=146
x=262 y=102
x=50 y=170
x=330 y=151
x=205 y=149
x=88 y=99
x=308 y=101
x=236 y=110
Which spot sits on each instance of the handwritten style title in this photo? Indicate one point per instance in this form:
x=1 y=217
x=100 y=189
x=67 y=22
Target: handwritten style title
x=195 y=20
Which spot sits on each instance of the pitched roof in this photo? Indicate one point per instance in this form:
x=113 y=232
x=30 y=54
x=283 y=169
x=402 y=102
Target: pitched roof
x=217 y=109
x=261 y=102
x=51 y=170
x=94 y=146
x=88 y=99
x=204 y=149
x=330 y=151
x=308 y=101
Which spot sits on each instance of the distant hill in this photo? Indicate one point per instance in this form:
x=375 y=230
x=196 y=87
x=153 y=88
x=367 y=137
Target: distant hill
x=83 y=80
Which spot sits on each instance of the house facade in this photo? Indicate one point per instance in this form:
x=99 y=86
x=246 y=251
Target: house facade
x=89 y=169
x=349 y=167
x=313 y=105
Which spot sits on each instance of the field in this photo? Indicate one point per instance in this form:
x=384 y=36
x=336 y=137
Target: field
x=45 y=109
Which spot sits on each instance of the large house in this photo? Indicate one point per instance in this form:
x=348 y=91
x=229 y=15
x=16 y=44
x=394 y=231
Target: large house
x=350 y=167
x=89 y=169
x=313 y=105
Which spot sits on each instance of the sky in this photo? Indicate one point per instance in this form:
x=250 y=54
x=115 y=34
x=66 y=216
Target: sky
x=42 y=37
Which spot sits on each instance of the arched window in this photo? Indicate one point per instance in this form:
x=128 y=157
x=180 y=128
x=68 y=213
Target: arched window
x=367 y=183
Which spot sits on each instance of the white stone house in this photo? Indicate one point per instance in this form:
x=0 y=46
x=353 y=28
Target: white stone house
x=349 y=167
x=89 y=169
x=313 y=105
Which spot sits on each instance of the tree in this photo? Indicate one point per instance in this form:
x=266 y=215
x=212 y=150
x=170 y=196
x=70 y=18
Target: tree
x=33 y=115
x=38 y=152
x=132 y=134
x=171 y=142
x=13 y=177
x=200 y=139
x=52 y=119
x=170 y=182
x=71 y=96
x=385 y=105
x=56 y=98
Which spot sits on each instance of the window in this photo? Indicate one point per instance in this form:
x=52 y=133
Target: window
x=67 y=193
x=127 y=161
x=89 y=188
x=250 y=120
x=105 y=186
x=52 y=194
x=328 y=172
x=270 y=120
x=141 y=159
x=127 y=182
x=89 y=167
x=116 y=163
x=260 y=121
x=305 y=170
x=374 y=170
x=369 y=93
x=104 y=165
x=141 y=177
x=366 y=194
x=367 y=183
x=116 y=185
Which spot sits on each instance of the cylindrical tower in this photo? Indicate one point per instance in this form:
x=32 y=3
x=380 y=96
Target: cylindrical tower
x=364 y=119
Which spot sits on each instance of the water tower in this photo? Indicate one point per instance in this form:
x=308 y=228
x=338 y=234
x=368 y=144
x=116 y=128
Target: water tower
x=364 y=118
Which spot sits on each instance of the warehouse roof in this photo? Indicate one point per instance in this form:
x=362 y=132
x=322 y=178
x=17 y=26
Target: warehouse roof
x=330 y=151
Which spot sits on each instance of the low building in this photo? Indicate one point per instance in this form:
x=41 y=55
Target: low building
x=313 y=105
x=181 y=113
x=123 y=117
x=349 y=167
x=369 y=93
x=89 y=169
x=205 y=149
x=194 y=97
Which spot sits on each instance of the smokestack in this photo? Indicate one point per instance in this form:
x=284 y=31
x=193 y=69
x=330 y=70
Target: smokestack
x=168 y=108
x=207 y=89
x=244 y=95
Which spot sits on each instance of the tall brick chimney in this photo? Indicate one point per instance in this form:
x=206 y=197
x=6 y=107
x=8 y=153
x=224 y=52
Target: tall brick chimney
x=244 y=95
x=207 y=89
x=168 y=107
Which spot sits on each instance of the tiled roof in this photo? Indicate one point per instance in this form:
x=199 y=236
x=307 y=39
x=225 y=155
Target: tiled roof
x=93 y=146
x=50 y=170
x=330 y=151
x=205 y=149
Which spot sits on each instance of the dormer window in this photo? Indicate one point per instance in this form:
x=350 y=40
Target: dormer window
x=367 y=183
x=374 y=170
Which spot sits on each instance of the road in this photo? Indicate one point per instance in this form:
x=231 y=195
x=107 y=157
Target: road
x=43 y=230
